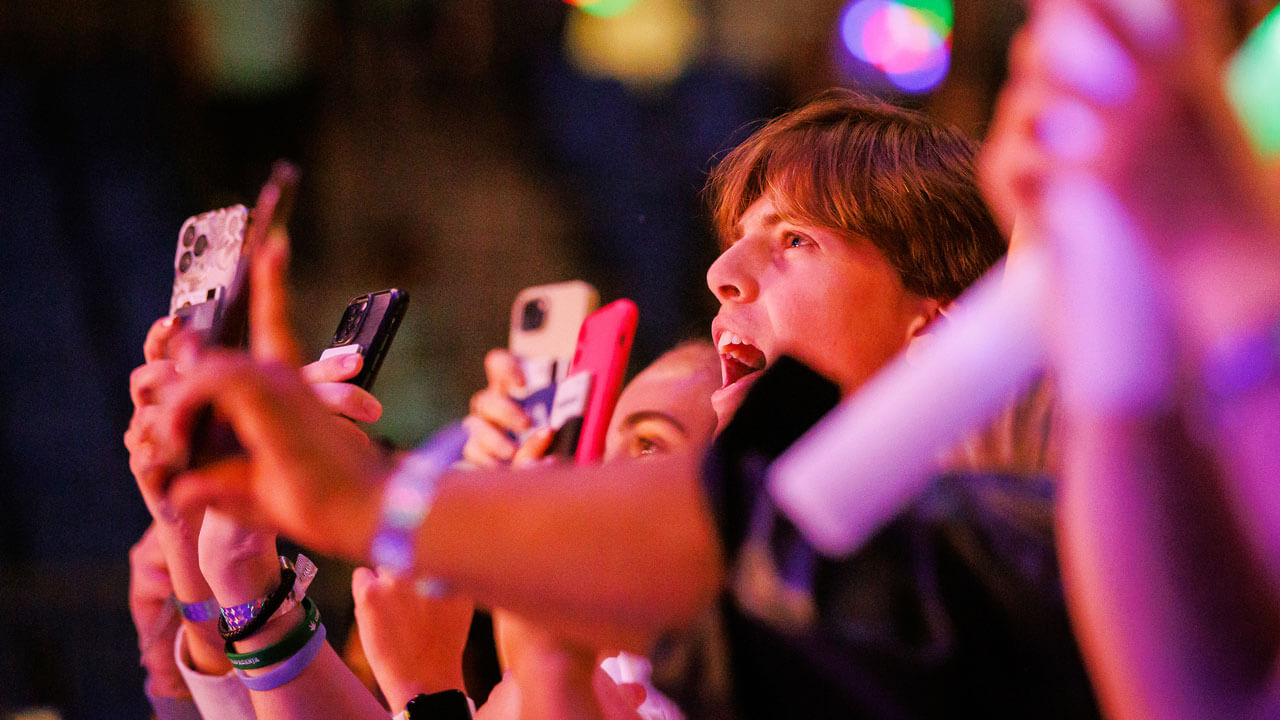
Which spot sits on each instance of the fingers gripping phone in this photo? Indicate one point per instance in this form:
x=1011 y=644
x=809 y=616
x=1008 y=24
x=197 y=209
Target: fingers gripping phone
x=367 y=327
x=545 y=320
x=229 y=314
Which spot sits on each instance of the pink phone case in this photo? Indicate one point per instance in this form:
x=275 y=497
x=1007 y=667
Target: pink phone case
x=604 y=345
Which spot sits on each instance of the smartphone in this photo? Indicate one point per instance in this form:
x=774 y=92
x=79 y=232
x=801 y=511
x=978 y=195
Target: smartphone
x=1253 y=85
x=209 y=250
x=604 y=346
x=213 y=440
x=270 y=214
x=367 y=327
x=545 y=320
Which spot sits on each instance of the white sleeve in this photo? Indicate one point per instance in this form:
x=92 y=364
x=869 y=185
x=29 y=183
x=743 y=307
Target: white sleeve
x=628 y=668
x=218 y=697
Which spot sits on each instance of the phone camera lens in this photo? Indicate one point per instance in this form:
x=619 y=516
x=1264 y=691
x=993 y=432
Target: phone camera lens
x=202 y=242
x=188 y=236
x=535 y=313
x=351 y=321
x=184 y=262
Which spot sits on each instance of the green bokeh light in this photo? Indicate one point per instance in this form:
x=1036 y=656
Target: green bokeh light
x=937 y=13
x=604 y=8
x=1253 y=85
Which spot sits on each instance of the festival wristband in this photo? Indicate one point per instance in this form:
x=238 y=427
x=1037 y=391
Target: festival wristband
x=282 y=649
x=241 y=621
x=287 y=670
x=410 y=492
x=202 y=611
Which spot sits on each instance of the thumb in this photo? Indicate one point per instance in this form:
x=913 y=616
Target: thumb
x=362 y=578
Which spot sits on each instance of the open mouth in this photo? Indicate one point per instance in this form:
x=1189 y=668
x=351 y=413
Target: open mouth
x=738 y=358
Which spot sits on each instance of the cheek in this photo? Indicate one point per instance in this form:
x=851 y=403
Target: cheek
x=846 y=331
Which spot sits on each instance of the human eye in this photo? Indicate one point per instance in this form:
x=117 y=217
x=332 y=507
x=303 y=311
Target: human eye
x=797 y=240
x=644 y=445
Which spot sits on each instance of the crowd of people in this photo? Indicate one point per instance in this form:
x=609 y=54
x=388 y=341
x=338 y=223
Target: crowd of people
x=1104 y=546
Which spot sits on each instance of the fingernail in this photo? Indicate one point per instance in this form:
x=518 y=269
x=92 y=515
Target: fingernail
x=372 y=406
x=1084 y=56
x=1070 y=130
x=349 y=362
x=168 y=322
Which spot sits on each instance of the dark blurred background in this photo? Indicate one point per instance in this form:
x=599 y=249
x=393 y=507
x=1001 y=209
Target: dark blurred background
x=459 y=149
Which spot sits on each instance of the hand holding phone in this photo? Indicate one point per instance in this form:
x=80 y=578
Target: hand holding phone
x=211 y=440
x=545 y=320
x=367 y=327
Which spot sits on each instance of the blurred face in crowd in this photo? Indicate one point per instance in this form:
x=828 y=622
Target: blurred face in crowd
x=667 y=407
x=787 y=287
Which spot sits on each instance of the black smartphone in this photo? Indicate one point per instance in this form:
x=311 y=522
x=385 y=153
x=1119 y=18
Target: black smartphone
x=367 y=327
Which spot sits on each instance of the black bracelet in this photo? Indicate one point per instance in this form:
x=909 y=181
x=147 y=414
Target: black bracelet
x=269 y=607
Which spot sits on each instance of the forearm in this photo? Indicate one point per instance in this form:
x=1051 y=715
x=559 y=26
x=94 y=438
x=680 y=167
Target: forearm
x=1249 y=444
x=325 y=688
x=1167 y=605
x=602 y=555
x=203 y=644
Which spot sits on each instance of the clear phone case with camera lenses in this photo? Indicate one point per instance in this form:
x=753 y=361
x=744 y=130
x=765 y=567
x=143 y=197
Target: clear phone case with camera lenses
x=208 y=251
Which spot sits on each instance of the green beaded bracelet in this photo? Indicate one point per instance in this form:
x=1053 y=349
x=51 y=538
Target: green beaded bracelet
x=282 y=649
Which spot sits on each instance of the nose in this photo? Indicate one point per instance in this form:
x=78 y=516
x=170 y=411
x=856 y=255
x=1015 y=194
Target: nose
x=733 y=276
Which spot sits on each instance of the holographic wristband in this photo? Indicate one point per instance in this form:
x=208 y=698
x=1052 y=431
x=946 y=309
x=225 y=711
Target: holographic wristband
x=287 y=670
x=202 y=611
x=241 y=621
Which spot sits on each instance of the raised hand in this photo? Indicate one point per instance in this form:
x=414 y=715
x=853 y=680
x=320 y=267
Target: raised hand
x=494 y=414
x=413 y=641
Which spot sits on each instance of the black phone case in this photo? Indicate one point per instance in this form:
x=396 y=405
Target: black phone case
x=377 y=328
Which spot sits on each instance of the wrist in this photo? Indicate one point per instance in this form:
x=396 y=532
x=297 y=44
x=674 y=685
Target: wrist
x=204 y=648
x=275 y=629
x=238 y=579
x=426 y=682
x=165 y=681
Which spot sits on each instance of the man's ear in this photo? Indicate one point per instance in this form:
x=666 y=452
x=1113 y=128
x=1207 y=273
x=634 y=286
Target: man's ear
x=921 y=327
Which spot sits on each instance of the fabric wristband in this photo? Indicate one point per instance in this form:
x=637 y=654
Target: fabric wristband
x=287 y=670
x=285 y=647
x=410 y=492
x=202 y=611
x=241 y=621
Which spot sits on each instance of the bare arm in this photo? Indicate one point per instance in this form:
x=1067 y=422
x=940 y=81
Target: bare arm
x=1168 y=604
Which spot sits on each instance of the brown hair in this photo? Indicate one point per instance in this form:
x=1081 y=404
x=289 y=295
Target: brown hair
x=866 y=169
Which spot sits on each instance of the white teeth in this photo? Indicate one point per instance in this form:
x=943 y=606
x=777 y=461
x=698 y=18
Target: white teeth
x=728 y=340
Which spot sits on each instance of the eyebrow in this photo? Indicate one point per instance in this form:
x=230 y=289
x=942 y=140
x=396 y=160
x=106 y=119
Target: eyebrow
x=636 y=418
x=769 y=222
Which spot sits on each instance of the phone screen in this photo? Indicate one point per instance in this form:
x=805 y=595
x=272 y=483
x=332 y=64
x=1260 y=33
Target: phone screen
x=1253 y=85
